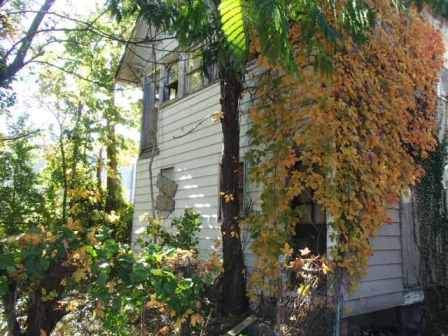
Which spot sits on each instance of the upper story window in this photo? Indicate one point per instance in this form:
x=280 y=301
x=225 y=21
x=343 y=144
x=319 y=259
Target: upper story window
x=156 y=79
x=195 y=74
x=151 y=92
x=171 y=82
x=183 y=74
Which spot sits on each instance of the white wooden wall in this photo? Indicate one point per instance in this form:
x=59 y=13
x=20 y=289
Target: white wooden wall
x=382 y=288
x=195 y=158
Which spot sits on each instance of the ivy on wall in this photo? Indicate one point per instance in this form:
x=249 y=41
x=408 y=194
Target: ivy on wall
x=353 y=137
x=432 y=213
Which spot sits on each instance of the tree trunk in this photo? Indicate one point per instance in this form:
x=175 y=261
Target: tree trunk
x=234 y=299
x=64 y=175
x=9 y=303
x=114 y=199
x=99 y=172
x=42 y=316
x=75 y=138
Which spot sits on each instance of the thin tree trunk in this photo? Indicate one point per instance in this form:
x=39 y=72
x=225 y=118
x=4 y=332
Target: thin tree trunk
x=65 y=179
x=99 y=172
x=75 y=155
x=114 y=199
x=234 y=299
x=151 y=175
x=113 y=195
x=153 y=135
x=9 y=303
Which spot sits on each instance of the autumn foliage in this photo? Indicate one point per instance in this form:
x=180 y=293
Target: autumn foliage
x=353 y=138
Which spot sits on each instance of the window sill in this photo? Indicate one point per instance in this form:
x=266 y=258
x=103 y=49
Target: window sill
x=186 y=96
x=149 y=152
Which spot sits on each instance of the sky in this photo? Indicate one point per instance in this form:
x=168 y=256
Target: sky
x=27 y=89
x=26 y=86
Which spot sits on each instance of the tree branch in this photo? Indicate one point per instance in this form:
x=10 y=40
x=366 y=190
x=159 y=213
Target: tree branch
x=19 y=61
x=19 y=136
x=89 y=26
x=60 y=68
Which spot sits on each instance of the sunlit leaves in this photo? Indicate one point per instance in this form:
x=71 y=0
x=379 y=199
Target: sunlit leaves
x=358 y=18
x=351 y=139
x=233 y=26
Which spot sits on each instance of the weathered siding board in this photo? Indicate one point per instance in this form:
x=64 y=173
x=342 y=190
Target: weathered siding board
x=378 y=287
x=389 y=230
x=385 y=257
x=385 y=243
x=185 y=165
x=410 y=253
x=373 y=303
x=382 y=287
x=385 y=271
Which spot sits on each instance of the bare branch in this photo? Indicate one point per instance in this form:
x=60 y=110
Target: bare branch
x=90 y=26
x=194 y=128
x=20 y=136
x=3 y=2
x=60 y=68
x=19 y=61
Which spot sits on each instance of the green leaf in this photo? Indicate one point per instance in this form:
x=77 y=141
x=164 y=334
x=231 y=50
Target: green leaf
x=233 y=27
x=3 y=285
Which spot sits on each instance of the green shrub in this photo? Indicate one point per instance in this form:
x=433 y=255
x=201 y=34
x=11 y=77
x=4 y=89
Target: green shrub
x=186 y=231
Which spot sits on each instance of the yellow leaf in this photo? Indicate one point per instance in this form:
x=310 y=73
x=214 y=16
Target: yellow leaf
x=196 y=319
x=305 y=252
x=325 y=268
x=287 y=250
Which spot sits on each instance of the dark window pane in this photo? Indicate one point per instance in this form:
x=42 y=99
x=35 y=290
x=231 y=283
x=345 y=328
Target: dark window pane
x=171 y=81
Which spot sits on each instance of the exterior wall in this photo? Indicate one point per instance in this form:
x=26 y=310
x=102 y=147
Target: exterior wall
x=195 y=158
x=382 y=287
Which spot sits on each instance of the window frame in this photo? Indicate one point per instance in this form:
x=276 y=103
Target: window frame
x=197 y=68
x=150 y=112
x=167 y=81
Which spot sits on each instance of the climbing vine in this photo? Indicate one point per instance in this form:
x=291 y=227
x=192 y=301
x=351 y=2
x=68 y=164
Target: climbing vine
x=433 y=239
x=351 y=138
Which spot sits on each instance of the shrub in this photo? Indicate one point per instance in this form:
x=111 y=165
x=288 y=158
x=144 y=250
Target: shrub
x=186 y=232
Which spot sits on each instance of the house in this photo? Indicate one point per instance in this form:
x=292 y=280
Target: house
x=181 y=144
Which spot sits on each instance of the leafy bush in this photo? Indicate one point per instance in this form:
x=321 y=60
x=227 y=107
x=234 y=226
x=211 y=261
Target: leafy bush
x=167 y=281
x=186 y=232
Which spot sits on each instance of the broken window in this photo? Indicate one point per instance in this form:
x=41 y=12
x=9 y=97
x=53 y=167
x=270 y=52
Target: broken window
x=171 y=88
x=168 y=172
x=151 y=90
x=167 y=188
x=311 y=229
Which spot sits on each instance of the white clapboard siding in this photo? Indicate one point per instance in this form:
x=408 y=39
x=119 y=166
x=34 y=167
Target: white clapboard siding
x=195 y=158
x=382 y=287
